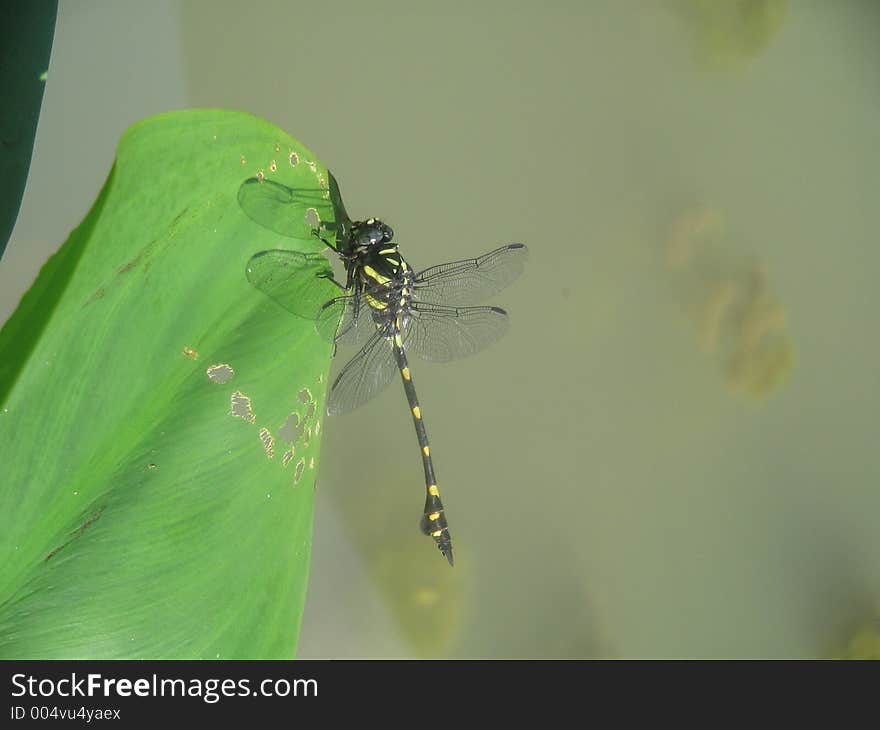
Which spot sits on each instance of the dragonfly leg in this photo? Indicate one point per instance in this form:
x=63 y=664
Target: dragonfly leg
x=329 y=277
x=323 y=240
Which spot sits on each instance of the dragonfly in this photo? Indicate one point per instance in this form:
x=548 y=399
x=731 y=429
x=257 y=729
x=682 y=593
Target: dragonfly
x=383 y=306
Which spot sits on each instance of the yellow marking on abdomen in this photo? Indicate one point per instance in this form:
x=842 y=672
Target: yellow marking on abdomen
x=405 y=373
x=434 y=516
x=426 y=451
x=436 y=533
x=433 y=491
x=398 y=341
x=417 y=412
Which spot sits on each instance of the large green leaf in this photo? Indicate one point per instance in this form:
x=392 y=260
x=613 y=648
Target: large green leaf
x=147 y=509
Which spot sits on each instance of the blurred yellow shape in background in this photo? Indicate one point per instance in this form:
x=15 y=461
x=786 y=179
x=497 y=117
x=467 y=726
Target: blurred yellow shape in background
x=738 y=319
x=730 y=34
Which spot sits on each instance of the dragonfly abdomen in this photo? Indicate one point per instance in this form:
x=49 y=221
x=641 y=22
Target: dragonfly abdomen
x=433 y=522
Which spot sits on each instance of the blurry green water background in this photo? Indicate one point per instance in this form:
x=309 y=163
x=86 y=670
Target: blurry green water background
x=673 y=451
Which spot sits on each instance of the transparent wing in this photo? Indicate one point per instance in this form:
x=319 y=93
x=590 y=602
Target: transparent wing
x=471 y=279
x=345 y=321
x=295 y=213
x=363 y=376
x=297 y=281
x=439 y=334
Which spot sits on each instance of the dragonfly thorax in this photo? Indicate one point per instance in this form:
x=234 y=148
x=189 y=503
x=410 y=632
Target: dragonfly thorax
x=380 y=264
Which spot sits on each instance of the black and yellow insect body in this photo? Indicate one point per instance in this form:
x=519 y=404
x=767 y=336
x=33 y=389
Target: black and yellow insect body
x=387 y=285
x=386 y=309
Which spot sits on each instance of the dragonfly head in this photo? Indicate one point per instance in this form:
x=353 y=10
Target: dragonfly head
x=371 y=232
